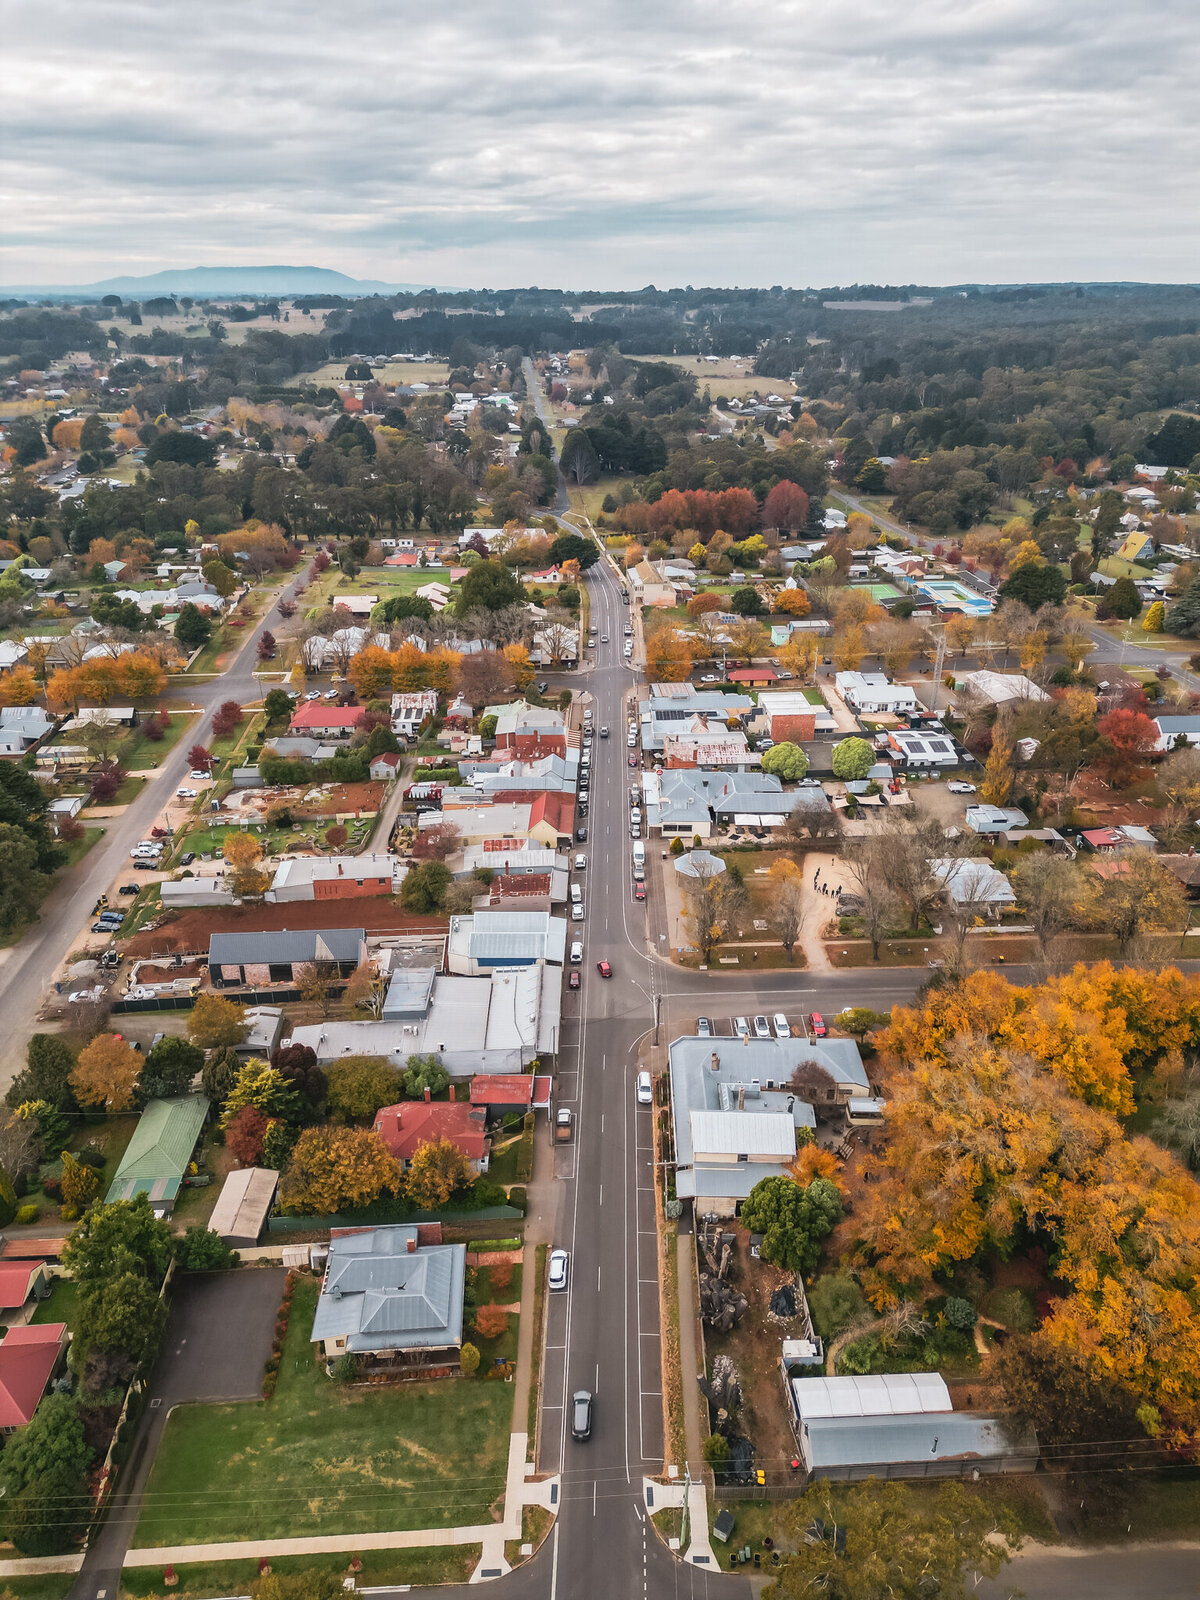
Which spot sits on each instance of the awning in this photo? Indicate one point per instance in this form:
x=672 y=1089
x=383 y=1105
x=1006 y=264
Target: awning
x=750 y=819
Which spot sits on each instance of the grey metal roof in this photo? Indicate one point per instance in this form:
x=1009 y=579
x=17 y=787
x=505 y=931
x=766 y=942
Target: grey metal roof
x=893 y=1441
x=747 y=1132
x=379 y=1295
x=278 y=949
x=408 y=992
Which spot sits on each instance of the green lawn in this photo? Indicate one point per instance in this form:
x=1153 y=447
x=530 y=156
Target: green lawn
x=62 y=1306
x=348 y=1460
x=78 y=848
x=43 y=1586
x=444 y=1564
x=137 y=752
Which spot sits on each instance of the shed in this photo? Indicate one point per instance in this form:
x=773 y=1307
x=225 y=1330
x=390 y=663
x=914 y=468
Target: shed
x=243 y=1206
x=158 y=1154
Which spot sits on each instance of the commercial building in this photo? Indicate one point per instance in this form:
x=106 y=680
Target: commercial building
x=871 y=693
x=336 y=877
x=269 y=957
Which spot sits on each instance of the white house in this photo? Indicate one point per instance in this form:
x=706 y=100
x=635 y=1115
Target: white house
x=410 y=710
x=869 y=693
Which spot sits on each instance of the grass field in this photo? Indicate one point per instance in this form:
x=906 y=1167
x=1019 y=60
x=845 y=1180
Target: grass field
x=445 y=1564
x=732 y=378
x=421 y=1455
x=435 y=373
x=136 y=753
x=78 y=848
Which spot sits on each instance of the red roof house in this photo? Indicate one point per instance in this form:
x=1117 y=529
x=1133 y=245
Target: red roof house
x=18 y=1280
x=552 y=818
x=502 y=1089
x=316 y=717
x=28 y=1357
x=756 y=677
x=404 y=1128
x=402 y=558
x=386 y=764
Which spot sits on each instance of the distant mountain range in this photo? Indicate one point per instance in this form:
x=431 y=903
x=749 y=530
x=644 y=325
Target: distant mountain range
x=206 y=282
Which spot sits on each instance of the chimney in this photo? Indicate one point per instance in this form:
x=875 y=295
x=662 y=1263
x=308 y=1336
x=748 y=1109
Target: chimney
x=412 y=1247
x=741 y=1096
x=714 y=1062
x=451 y=1093
x=428 y=1094
x=339 y=869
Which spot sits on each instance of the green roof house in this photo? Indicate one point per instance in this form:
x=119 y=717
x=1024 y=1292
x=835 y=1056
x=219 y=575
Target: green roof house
x=159 y=1152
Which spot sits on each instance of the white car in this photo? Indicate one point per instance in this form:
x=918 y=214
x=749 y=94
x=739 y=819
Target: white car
x=710 y=677
x=783 y=1028
x=185 y=794
x=961 y=787
x=632 y=741
x=603 y=638
x=78 y=996
x=576 y=913
x=762 y=1028
x=645 y=1089
x=628 y=647
x=580 y=863
x=741 y=1028
x=199 y=777
x=313 y=694
x=560 y=1269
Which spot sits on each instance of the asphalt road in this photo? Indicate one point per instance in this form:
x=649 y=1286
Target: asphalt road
x=26 y=968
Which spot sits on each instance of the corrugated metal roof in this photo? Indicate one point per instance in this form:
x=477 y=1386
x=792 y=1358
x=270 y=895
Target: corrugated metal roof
x=892 y=1441
x=876 y=1395
x=380 y=1295
x=161 y=1146
x=282 y=948
x=754 y=1133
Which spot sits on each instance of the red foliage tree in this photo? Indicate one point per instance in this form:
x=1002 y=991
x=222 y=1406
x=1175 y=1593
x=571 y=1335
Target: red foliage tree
x=737 y=511
x=336 y=836
x=244 y=1135
x=1127 y=741
x=266 y=645
x=155 y=727
x=201 y=758
x=786 y=506
x=105 y=780
x=226 y=717
x=321 y=561
x=435 y=844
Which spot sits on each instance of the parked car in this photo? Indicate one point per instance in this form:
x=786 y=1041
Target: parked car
x=560 y=1267
x=80 y=996
x=564 y=1125
x=783 y=1028
x=130 y=888
x=631 y=741
x=741 y=1028
x=604 y=968
x=581 y=1414
x=185 y=794
x=633 y=761
x=960 y=786
x=580 y=863
x=710 y=677
x=639 y=891
x=197 y=776
x=187 y=858
x=145 y=866
x=704 y=1028
x=313 y=694
x=645 y=1089
x=816 y=1025
x=104 y=927
x=762 y=1028
x=577 y=951
x=581 y=835
x=573 y=978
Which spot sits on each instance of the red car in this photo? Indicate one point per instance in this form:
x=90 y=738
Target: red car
x=573 y=980
x=633 y=761
x=816 y=1025
x=604 y=968
x=639 y=891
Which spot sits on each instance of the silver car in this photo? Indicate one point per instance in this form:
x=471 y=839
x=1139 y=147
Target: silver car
x=560 y=1269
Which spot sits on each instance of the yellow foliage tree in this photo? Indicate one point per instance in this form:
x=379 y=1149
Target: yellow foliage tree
x=338 y=1169
x=106 y=1073
x=18 y=687
x=517 y=657
x=996 y=787
x=849 y=647
x=668 y=656
x=434 y=1173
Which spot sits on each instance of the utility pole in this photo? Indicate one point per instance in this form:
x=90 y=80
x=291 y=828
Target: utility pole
x=685 y=1525
x=939 y=662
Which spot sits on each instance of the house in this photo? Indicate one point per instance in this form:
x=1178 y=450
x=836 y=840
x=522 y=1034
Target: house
x=918 y=749
x=157 y=1156
x=438 y=594
x=974 y=884
x=329 y=722
x=647 y=584
x=737 y=1120
x=553 y=644
x=265 y=958
x=12 y=653
x=754 y=677
x=507 y=856
x=410 y=1124
x=870 y=694
x=393 y=1297
x=64 y=810
x=333 y=652
x=525 y=730
x=386 y=765
x=264 y=1025
x=1125 y=836
x=1186 y=871
x=491 y=939
x=299 y=749
x=991 y=820
x=899 y=1425
x=508 y=1094
x=789 y=715
x=759 y=800
x=28 y=1358
x=336 y=877
x=243 y=1206
x=674 y=708
x=530 y=891
x=25 y=725
x=358 y=605
x=1000 y=688
x=477 y=823
x=21 y=1281
x=1175 y=732
x=410 y=712
x=1136 y=546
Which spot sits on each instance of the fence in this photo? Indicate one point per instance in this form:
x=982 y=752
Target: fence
x=383 y=1216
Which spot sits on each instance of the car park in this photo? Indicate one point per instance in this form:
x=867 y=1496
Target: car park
x=816 y=1025
x=645 y=1089
x=703 y=1028
x=573 y=979
x=581 y=1414
x=959 y=786
x=783 y=1028
x=604 y=968
x=560 y=1269
x=741 y=1027
x=762 y=1028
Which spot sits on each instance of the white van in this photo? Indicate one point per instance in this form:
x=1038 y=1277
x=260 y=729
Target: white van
x=577 y=952
x=639 y=860
x=576 y=894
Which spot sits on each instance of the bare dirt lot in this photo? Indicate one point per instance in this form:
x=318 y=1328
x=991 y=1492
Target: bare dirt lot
x=190 y=930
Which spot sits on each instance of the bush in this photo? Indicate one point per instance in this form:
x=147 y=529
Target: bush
x=52 y=1188
x=491 y=1322
x=835 y=1301
x=516 y=1198
x=716 y=1449
x=468 y=1360
x=502 y=1275
x=345 y=1368
x=960 y=1313
x=90 y=1156
x=28 y=1214
x=1012 y=1307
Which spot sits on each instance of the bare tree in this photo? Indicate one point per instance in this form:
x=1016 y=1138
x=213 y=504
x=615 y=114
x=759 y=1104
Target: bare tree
x=911 y=844
x=1054 y=895
x=788 y=914
x=713 y=899
x=863 y=862
x=966 y=903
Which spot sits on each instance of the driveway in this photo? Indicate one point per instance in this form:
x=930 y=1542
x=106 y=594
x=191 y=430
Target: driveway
x=217 y=1343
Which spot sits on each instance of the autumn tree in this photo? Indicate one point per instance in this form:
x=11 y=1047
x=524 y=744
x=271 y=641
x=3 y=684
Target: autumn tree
x=960 y=632
x=317 y=982
x=435 y=1172
x=336 y=1169
x=1055 y=895
x=786 y=507
x=226 y=717
x=214 y=1022
x=491 y=1322
x=106 y=1073
x=201 y=758
x=996 y=787
x=668 y=656
x=264 y=1086
x=357 y=1086
x=1140 y=897
x=244 y=1135
x=1128 y=739
x=366 y=989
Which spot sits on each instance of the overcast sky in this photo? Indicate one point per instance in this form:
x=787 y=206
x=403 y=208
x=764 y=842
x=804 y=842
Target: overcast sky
x=605 y=145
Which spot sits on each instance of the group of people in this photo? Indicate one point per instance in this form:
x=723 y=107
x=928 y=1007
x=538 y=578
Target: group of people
x=825 y=888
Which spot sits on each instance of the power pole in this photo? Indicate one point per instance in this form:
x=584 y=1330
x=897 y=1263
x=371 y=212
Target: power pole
x=685 y=1524
x=939 y=662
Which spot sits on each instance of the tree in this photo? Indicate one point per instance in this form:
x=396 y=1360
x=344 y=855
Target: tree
x=1037 y=586
x=996 y=787
x=786 y=507
x=220 y=1074
x=123 y=1236
x=1054 y=895
x=468 y=1360
x=1183 y=618
x=201 y=1250
x=1155 y=618
x=215 y=1022
x=266 y=645
x=879 y=1543
x=1127 y=741
x=748 y=639
x=491 y=1322
x=21 y=884
x=170 y=1068
x=436 y=1170
x=48 y=1516
x=787 y=913
x=425 y=1073
x=858 y=1021
x=960 y=632
x=852 y=759
x=668 y=656
x=791 y=603
x=316 y=981
x=80 y=1186
x=118 y=1328
x=423 y=888
x=357 y=1086
x=311 y=1585
x=192 y=627
x=201 y=758
x=574 y=547
x=747 y=602
x=298 y=1064
x=262 y=1085
x=106 y=1073
x=244 y=1135
x=793 y=1220
x=488 y=586
x=1122 y=601
x=226 y=717
x=711 y=904
x=1141 y=897
x=366 y=989
x=786 y=761
x=338 y=1169
x=277 y=705
x=49 y=1061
